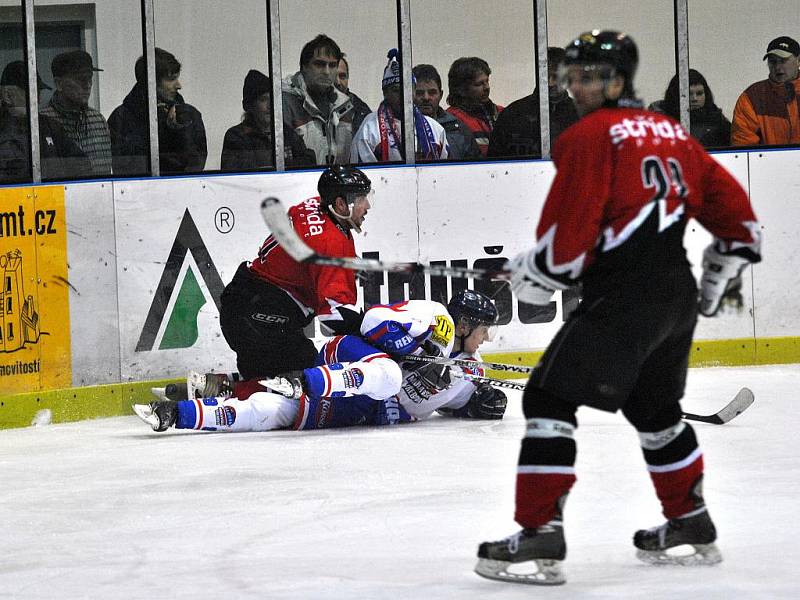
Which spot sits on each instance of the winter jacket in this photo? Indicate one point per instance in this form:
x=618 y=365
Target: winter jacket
x=460 y=139
x=329 y=137
x=182 y=147
x=360 y=110
x=246 y=147
x=365 y=148
x=87 y=128
x=480 y=120
x=61 y=157
x=708 y=125
x=767 y=113
x=518 y=132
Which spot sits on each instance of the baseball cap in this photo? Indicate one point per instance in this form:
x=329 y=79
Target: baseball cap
x=16 y=74
x=784 y=47
x=69 y=63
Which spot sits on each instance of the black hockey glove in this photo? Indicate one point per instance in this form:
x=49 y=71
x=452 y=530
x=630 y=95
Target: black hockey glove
x=291 y=384
x=487 y=402
x=426 y=381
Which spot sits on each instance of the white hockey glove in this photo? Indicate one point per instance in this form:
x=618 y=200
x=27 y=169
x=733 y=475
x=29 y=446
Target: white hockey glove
x=527 y=282
x=721 y=283
x=289 y=384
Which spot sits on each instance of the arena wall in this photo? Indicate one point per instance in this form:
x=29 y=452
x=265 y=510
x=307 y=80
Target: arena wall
x=117 y=282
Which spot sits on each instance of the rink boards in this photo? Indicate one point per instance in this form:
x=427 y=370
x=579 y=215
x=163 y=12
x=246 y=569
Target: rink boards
x=146 y=261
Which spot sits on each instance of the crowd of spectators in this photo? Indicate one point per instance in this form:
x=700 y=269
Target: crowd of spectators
x=325 y=122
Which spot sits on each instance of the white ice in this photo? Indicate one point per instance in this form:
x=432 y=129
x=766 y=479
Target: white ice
x=109 y=509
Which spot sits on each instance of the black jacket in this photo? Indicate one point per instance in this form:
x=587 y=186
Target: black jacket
x=517 y=131
x=182 y=147
x=245 y=148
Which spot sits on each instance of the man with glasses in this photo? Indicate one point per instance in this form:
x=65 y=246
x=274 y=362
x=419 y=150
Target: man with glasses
x=767 y=112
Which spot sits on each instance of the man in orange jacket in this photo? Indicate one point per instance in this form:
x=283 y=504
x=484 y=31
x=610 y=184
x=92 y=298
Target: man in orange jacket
x=768 y=112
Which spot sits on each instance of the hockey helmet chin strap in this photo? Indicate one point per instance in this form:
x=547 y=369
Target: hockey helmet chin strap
x=350 y=200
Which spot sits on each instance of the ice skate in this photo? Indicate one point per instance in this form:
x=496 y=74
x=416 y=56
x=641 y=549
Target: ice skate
x=543 y=547
x=208 y=385
x=691 y=536
x=159 y=415
x=289 y=384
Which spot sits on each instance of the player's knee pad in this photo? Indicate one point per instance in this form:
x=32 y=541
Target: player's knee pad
x=268 y=411
x=540 y=404
x=382 y=378
x=643 y=419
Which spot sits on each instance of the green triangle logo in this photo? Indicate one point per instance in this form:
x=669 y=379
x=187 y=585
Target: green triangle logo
x=181 y=329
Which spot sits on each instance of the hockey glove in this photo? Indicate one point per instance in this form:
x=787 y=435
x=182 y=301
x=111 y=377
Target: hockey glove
x=527 y=282
x=487 y=402
x=426 y=381
x=721 y=284
x=291 y=384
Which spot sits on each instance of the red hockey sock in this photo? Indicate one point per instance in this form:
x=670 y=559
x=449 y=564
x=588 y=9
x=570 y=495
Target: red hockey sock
x=538 y=491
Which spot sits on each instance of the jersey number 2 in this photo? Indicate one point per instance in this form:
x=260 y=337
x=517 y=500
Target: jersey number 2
x=665 y=180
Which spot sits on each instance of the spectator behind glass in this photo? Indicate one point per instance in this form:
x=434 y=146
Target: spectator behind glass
x=250 y=144
x=73 y=73
x=767 y=111
x=360 y=108
x=468 y=82
x=518 y=132
x=312 y=105
x=61 y=157
x=380 y=137
x=181 y=133
x=708 y=124
x=427 y=95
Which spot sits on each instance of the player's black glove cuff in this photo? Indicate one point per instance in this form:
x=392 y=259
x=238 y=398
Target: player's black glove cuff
x=487 y=402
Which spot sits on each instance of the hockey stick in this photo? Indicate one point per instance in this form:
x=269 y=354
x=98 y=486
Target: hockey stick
x=281 y=228
x=741 y=401
x=468 y=364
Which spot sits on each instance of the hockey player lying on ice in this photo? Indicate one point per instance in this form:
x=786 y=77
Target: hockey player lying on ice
x=359 y=380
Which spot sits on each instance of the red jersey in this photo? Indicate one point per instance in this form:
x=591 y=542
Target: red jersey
x=319 y=290
x=627 y=181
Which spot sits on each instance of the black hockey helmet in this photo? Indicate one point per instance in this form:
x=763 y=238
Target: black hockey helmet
x=613 y=48
x=341 y=180
x=473 y=308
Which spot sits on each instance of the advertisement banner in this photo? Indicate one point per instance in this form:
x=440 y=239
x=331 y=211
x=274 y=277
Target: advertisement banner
x=34 y=316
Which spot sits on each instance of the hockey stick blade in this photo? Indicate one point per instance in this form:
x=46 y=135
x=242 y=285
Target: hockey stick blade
x=501 y=383
x=468 y=364
x=281 y=228
x=743 y=399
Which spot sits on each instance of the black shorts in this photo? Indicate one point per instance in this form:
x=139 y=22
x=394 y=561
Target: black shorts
x=264 y=326
x=623 y=352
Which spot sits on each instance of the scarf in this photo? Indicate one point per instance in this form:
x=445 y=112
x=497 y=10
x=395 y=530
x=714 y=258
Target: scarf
x=428 y=148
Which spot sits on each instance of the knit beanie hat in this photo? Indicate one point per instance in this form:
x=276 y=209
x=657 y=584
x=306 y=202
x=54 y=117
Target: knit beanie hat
x=255 y=84
x=391 y=74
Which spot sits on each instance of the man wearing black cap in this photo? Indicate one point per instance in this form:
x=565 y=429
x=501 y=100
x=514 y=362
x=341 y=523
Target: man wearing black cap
x=250 y=144
x=73 y=73
x=60 y=156
x=767 y=113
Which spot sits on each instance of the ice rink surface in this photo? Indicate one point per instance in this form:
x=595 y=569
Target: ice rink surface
x=109 y=509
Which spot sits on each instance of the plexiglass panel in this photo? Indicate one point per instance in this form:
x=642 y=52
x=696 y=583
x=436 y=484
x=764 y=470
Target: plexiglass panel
x=84 y=57
x=484 y=57
x=15 y=160
x=326 y=118
x=649 y=22
x=728 y=44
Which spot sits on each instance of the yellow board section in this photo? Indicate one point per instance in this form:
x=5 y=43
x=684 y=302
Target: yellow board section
x=34 y=291
x=705 y=353
x=76 y=404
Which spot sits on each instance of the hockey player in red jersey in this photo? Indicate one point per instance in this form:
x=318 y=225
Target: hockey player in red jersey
x=627 y=182
x=270 y=300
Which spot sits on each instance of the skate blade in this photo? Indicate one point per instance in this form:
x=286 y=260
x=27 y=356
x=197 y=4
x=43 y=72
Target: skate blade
x=146 y=414
x=548 y=571
x=703 y=555
x=195 y=384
